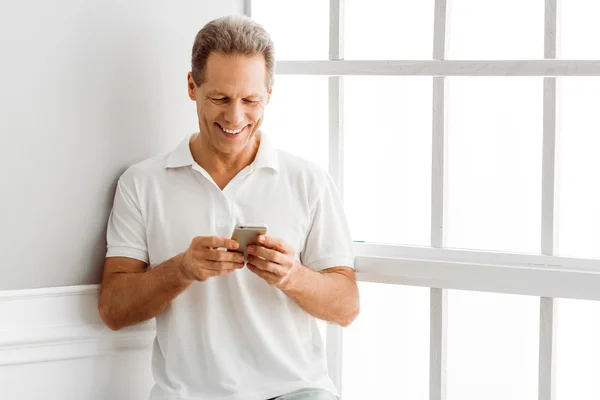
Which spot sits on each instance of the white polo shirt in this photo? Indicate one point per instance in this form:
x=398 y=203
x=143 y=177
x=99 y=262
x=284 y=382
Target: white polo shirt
x=232 y=337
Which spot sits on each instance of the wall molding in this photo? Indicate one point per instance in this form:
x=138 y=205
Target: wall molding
x=61 y=323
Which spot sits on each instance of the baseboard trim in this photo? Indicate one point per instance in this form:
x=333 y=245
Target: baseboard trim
x=62 y=323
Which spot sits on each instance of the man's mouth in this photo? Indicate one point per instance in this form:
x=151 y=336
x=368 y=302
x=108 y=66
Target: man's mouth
x=231 y=132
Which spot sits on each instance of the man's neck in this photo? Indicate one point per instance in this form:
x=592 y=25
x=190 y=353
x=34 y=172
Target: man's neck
x=220 y=166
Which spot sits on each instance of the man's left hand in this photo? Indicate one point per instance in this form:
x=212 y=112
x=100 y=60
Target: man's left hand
x=273 y=260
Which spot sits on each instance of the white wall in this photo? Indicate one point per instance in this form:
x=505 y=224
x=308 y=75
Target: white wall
x=86 y=89
x=115 y=377
x=53 y=345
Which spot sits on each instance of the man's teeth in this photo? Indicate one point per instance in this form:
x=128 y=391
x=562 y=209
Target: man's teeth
x=232 y=132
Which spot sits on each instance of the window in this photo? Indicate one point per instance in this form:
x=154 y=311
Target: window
x=493 y=346
x=403 y=32
x=578 y=350
x=296 y=117
x=386 y=350
x=579 y=29
x=465 y=145
x=478 y=30
x=389 y=117
x=579 y=144
x=495 y=163
x=287 y=25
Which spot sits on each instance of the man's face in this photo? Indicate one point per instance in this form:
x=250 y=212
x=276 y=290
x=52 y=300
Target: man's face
x=231 y=100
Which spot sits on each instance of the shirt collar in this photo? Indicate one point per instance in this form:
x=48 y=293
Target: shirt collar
x=181 y=156
x=266 y=156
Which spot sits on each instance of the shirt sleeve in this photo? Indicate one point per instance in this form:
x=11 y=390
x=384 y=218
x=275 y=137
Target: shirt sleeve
x=126 y=232
x=328 y=243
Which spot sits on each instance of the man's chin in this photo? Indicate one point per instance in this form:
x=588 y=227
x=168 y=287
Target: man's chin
x=230 y=145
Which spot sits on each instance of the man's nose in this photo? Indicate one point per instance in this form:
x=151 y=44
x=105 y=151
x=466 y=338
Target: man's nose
x=234 y=115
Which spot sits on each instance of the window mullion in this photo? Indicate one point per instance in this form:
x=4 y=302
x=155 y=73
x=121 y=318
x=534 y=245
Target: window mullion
x=438 y=299
x=248 y=8
x=336 y=164
x=549 y=234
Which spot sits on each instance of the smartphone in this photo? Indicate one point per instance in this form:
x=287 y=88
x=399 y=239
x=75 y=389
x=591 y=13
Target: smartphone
x=247 y=234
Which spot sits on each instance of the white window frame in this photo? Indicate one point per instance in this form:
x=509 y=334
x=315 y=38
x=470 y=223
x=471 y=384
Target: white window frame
x=437 y=267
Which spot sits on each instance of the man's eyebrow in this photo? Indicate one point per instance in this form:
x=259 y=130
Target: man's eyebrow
x=217 y=93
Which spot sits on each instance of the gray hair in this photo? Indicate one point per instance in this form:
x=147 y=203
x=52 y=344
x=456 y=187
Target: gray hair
x=232 y=35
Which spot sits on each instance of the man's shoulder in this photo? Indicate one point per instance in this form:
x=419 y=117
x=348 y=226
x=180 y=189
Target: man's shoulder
x=303 y=174
x=144 y=170
x=297 y=166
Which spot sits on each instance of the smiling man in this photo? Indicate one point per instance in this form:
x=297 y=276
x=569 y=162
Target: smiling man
x=227 y=330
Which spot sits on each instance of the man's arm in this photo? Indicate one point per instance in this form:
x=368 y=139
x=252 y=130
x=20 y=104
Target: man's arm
x=330 y=295
x=131 y=293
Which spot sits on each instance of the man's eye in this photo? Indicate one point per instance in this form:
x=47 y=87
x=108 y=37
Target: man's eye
x=219 y=100
x=246 y=101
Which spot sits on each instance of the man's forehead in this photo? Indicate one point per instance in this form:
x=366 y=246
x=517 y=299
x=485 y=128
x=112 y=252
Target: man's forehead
x=235 y=73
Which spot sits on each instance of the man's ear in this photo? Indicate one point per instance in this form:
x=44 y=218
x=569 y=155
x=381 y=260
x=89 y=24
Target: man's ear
x=269 y=92
x=191 y=86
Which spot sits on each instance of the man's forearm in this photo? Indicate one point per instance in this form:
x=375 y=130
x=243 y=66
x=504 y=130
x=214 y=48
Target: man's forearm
x=329 y=296
x=130 y=298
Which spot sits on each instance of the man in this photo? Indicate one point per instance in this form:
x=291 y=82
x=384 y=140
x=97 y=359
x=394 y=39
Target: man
x=228 y=331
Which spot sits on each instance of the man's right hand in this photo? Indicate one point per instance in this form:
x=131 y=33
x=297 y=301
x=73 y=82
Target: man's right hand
x=203 y=259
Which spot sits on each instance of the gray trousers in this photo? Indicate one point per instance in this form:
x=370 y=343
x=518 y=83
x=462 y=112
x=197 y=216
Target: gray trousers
x=307 y=394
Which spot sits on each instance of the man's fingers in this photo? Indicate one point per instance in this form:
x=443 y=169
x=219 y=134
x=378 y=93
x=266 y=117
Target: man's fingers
x=276 y=244
x=215 y=242
x=269 y=277
x=266 y=265
x=220 y=255
x=230 y=266
x=269 y=254
x=219 y=266
x=211 y=273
